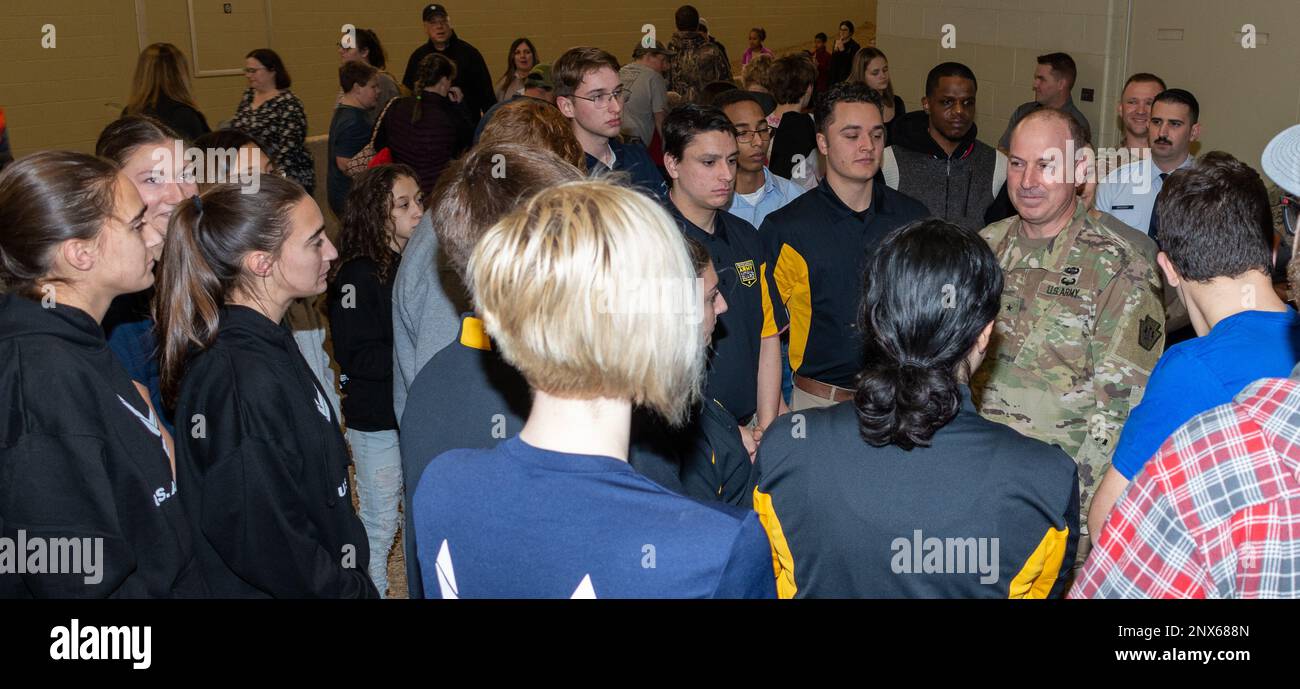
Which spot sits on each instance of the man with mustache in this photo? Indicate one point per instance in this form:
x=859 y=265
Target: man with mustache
x=1213 y=513
x=1134 y=110
x=1081 y=324
x=1129 y=192
x=937 y=159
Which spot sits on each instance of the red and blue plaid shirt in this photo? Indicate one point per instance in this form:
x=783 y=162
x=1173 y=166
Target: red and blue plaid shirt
x=1216 y=512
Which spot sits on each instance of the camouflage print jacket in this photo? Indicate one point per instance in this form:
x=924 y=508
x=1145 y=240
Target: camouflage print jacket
x=1081 y=327
x=697 y=64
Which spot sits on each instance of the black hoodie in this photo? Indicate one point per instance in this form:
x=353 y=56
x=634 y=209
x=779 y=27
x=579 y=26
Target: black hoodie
x=81 y=456
x=266 y=469
x=967 y=187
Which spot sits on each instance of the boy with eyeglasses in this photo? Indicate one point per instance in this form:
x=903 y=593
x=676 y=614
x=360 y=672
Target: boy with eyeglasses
x=590 y=93
x=758 y=191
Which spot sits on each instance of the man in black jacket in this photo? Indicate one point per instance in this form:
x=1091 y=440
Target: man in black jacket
x=845 y=50
x=472 y=76
x=937 y=159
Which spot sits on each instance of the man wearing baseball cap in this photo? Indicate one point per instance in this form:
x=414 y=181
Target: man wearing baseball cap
x=647 y=104
x=1177 y=531
x=1281 y=162
x=472 y=76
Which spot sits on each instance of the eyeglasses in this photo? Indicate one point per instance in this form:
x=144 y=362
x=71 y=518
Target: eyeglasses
x=745 y=136
x=253 y=70
x=603 y=100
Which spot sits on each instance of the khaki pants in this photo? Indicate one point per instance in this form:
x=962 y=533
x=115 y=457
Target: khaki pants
x=800 y=400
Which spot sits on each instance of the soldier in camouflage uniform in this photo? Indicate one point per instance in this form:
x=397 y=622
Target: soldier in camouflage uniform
x=698 y=62
x=1082 y=320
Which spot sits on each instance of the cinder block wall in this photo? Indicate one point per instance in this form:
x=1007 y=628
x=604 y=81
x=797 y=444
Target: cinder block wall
x=1000 y=40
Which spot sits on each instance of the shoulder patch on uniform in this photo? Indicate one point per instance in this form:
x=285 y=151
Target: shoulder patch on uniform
x=1148 y=332
x=745 y=271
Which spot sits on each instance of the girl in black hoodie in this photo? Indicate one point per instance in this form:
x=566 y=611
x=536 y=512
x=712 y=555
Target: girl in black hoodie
x=260 y=449
x=85 y=464
x=381 y=213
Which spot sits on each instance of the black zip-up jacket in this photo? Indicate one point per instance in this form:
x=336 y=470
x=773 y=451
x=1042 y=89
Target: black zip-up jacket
x=471 y=74
x=267 y=469
x=842 y=61
x=82 y=457
x=361 y=325
x=715 y=463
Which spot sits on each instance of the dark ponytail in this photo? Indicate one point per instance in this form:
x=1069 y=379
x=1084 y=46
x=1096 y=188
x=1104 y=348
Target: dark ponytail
x=931 y=289
x=46 y=199
x=433 y=68
x=202 y=264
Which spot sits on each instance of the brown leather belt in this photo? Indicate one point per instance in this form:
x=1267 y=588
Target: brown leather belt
x=825 y=391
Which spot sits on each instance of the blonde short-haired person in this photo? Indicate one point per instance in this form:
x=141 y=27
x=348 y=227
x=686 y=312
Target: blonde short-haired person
x=559 y=284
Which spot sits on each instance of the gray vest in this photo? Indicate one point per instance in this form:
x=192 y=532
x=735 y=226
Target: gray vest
x=959 y=189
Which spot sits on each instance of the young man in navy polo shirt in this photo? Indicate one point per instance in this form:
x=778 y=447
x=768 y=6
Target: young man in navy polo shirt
x=822 y=241
x=700 y=155
x=589 y=91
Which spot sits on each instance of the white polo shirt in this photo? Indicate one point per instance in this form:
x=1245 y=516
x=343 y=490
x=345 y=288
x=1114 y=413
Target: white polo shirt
x=1129 y=192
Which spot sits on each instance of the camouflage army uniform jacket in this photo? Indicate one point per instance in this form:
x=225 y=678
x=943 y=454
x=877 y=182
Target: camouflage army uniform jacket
x=696 y=64
x=1081 y=327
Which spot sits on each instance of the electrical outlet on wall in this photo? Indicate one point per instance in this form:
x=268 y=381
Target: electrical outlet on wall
x=1085 y=95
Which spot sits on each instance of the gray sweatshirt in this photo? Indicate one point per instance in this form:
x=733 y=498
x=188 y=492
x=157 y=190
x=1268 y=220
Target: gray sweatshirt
x=428 y=300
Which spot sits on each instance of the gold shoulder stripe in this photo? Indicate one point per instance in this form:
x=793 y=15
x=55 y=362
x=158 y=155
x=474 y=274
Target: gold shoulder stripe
x=792 y=282
x=782 y=558
x=1036 y=578
x=473 y=334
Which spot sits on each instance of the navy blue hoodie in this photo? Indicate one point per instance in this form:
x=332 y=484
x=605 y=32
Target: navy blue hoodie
x=82 y=457
x=266 y=469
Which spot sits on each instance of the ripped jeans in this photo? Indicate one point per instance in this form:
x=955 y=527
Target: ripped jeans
x=379 y=492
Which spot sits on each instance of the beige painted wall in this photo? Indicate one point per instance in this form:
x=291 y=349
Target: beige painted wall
x=62 y=97
x=1246 y=95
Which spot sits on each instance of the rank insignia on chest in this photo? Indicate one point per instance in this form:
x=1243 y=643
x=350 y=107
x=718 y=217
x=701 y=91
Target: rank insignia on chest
x=1148 y=332
x=745 y=271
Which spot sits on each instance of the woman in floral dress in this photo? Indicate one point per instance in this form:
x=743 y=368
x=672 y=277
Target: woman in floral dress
x=274 y=116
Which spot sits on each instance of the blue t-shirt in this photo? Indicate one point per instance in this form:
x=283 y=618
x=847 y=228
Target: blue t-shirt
x=349 y=133
x=1203 y=373
x=517 y=521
